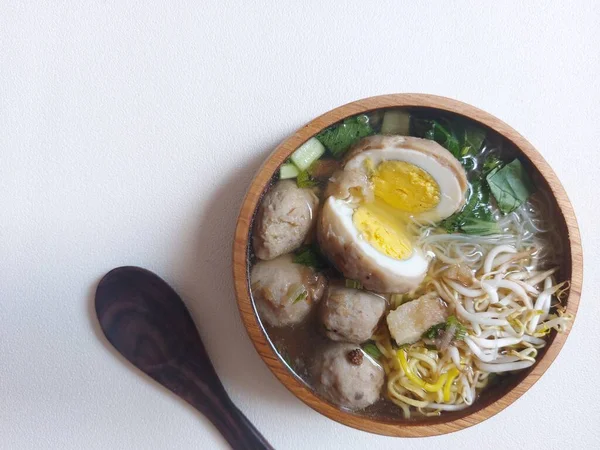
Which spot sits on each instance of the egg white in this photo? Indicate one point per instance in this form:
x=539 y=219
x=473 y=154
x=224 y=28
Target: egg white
x=413 y=267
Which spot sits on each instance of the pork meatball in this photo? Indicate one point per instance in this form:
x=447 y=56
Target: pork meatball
x=283 y=220
x=348 y=377
x=350 y=315
x=284 y=292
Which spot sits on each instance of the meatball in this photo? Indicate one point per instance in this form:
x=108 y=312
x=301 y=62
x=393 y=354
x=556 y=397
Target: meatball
x=350 y=315
x=283 y=220
x=348 y=377
x=285 y=292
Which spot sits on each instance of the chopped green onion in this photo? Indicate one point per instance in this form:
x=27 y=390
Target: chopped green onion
x=297 y=292
x=434 y=331
x=480 y=227
x=288 y=170
x=307 y=153
x=460 y=332
x=301 y=297
x=371 y=349
x=396 y=121
x=353 y=284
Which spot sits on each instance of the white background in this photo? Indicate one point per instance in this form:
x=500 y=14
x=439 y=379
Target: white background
x=129 y=132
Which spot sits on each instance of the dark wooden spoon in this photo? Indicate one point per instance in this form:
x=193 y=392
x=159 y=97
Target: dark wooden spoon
x=148 y=323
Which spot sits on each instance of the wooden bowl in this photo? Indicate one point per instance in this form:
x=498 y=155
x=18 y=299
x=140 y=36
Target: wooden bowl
x=489 y=402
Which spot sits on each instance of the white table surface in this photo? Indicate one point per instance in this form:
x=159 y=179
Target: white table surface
x=129 y=132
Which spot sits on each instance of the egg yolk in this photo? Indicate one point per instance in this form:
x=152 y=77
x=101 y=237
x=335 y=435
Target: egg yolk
x=386 y=234
x=405 y=186
x=401 y=190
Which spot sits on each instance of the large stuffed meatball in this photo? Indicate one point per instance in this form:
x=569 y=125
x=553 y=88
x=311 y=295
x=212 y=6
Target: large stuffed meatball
x=285 y=292
x=283 y=220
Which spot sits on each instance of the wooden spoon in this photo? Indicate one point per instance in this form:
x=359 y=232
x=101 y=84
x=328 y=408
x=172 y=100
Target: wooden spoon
x=148 y=323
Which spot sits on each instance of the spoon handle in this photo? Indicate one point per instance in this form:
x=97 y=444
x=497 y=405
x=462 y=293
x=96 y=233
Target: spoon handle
x=200 y=387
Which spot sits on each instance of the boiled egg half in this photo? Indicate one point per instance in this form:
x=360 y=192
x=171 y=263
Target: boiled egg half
x=386 y=183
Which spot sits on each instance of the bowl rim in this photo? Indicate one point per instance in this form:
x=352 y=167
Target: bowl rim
x=241 y=270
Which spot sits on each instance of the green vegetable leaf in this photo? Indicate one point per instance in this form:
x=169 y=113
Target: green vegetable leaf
x=309 y=256
x=476 y=215
x=445 y=137
x=436 y=330
x=339 y=138
x=433 y=331
x=473 y=140
x=304 y=180
x=463 y=141
x=510 y=186
x=370 y=348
